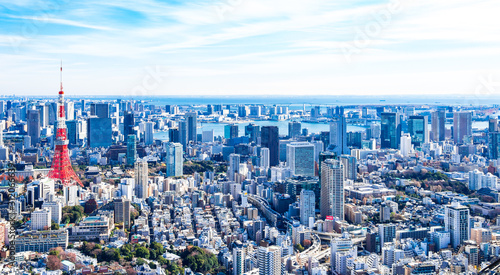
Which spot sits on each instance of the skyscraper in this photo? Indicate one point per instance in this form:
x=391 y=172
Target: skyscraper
x=294 y=128
x=492 y=124
x=269 y=260
x=494 y=145
x=390 y=132
x=34 y=126
x=141 y=179
x=307 y=206
x=73 y=132
x=253 y=132
x=122 y=211
x=462 y=126
x=418 y=130
x=44 y=115
x=183 y=134
x=457 y=222
x=128 y=124
x=148 y=133
x=174 y=159
x=350 y=165
x=264 y=157
x=191 y=119
x=99 y=132
x=270 y=139
x=131 y=149
x=234 y=166
x=438 y=125
x=332 y=189
x=231 y=131
x=101 y=110
x=338 y=136
x=300 y=158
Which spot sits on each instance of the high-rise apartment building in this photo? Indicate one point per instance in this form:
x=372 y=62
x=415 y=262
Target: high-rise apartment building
x=141 y=179
x=438 y=122
x=307 y=206
x=332 y=189
x=269 y=260
x=462 y=126
x=457 y=222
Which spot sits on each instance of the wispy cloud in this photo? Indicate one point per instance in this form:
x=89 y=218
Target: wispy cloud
x=258 y=46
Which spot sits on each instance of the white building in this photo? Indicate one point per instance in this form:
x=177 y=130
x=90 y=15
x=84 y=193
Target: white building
x=269 y=260
x=457 y=222
x=264 y=157
x=405 y=145
x=55 y=210
x=238 y=261
x=40 y=219
x=70 y=195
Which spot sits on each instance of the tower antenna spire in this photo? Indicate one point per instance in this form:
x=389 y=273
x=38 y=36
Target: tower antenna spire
x=61 y=76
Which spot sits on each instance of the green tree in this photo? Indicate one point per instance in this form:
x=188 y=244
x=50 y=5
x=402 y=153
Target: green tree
x=142 y=252
x=54 y=226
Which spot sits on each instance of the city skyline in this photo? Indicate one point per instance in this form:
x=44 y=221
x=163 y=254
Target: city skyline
x=250 y=47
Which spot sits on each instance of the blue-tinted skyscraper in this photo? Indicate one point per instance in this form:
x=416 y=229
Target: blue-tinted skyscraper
x=191 y=119
x=128 y=124
x=231 y=131
x=173 y=159
x=270 y=139
x=101 y=110
x=253 y=132
x=418 y=130
x=131 y=149
x=34 y=126
x=338 y=136
x=390 y=133
x=99 y=132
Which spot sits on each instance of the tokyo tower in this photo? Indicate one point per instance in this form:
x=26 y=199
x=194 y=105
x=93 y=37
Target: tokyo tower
x=61 y=169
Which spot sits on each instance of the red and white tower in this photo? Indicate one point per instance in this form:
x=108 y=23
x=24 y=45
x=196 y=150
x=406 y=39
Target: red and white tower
x=61 y=169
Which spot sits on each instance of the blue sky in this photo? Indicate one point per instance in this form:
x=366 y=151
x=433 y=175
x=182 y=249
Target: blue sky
x=240 y=47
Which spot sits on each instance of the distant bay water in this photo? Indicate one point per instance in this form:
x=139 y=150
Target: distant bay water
x=283 y=127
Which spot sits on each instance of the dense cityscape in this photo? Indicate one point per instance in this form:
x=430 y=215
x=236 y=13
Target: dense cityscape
x=132 y=187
